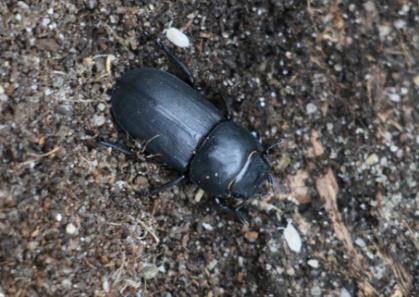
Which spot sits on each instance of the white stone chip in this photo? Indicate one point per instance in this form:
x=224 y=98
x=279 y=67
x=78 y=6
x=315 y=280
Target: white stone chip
x=150 y=271
x=313 y=263
x=70 y=229
x=293 y=238
x=208 y=227
x=311 y=108
x=344 y=293
x=177 y=37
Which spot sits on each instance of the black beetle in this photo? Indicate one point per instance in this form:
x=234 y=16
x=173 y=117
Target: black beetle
x=190 y=134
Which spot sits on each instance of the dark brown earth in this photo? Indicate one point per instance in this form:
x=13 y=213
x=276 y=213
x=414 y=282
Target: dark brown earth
x=338 y=83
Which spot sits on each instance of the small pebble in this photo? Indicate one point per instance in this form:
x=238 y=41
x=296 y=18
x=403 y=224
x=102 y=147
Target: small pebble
x=66 y=283
x=98 y=120
x=211 y=265
x=344 y=293
x=360 y=242
x=150 y=271
x=70 y=229
x=207 y=227
x=384 y=30
x=293 y=238
x=23 y=5
x=313 y=263
x=101 y=106
x=394 y=97
x=372 y=159
x=45 y=22
x=198 y=195
x=177 y=37
x=400 y=24
x=105 y=284
x=370 y=6
x=316 y=291
x=416 y=80
x=65 y=109
x=338 y=67
x=291 y=271
x=311 y=108
x=91 y=4
x=58 y=217
x=251 y=236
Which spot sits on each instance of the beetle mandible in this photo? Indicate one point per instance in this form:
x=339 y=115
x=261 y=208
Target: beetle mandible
x=190 y=134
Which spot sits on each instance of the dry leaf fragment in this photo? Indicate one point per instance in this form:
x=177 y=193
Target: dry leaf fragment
x=297 y=185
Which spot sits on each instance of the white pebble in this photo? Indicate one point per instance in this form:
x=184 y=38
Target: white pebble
x=370 y=6
x=313 y=263
x=105 y=284
x=372 y=159
x=384 y=30
x=212 y=264
x=207 y=227
x=177 y=37
x=293 y=238
x=101 y=106
x=400 y=24
x=70 y=229
x=394 y=97
x=150 y=271
x=45 y=22
x=98 y=120
x=344 y=293
x=360 y=242
x=58 y=217
x=338 y=67
x=311 y=108
x=316 y=291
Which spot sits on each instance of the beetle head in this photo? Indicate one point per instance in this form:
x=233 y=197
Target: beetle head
x=251 y=177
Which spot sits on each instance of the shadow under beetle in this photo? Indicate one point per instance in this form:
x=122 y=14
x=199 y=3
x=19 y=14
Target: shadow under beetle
x=189 y=134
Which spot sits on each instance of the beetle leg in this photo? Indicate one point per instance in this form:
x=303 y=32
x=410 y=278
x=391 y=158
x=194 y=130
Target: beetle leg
x=240 y=215
x=165 y=186
x=271 y=182
x=116 y=146
x=272 y=146
x=178 y=64
x=229 y=113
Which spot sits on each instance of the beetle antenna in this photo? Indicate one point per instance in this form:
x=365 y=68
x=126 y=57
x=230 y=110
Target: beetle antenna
x=271 y=182
x=272 y=146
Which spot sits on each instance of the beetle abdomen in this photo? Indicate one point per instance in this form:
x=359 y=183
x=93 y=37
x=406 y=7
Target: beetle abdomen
x=150 y=104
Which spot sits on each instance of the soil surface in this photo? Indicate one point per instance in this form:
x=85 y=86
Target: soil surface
x=337 y=82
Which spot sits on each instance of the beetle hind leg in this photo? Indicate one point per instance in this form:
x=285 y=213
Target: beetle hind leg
x=116 y=146
x=180 y=66
x=162 y=187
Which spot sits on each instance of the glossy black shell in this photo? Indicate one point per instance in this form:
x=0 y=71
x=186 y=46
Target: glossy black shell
x=152 y=104
x=221 y=157
x=188 y=133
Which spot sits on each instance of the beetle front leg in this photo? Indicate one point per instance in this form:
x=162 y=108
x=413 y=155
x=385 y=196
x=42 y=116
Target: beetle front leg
x=228 y=111
x=180 y=66
x=240 y=215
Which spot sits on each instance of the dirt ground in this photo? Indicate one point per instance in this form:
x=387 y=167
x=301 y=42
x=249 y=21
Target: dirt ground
x=336 y=81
